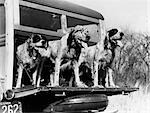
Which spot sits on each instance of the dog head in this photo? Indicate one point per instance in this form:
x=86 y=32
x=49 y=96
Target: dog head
x=114 y=37
x=27 y=52
x=81 y=33
x=38 y=41
x=115 y=34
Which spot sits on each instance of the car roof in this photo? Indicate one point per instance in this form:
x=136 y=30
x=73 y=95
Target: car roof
x=67 y=6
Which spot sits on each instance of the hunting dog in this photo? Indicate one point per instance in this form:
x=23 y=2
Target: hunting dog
x=111 y=42
x=68 y=48
x=92 y=55
x=28 y=57
x=95 y=54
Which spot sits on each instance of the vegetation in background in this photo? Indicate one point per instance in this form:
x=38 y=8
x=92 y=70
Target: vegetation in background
x=132 y=62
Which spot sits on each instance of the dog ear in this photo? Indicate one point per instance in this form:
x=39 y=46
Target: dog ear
x=36 y=38
x=70 y=37
x=88 y=37
x=78 y=28
x=31 y=37
x=105 y=42
x=121 y=35
x=112 y=32
x=71 y=31
x=46 y=44
x=29 y=40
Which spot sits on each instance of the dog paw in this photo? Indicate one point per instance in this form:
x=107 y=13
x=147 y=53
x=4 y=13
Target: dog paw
x=55 y=85
x=117 y=86
x=113 y=86
x=97 y=86
x=81 y=84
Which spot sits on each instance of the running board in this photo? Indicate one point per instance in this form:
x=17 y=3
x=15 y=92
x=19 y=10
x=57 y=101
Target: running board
x=26 y=91
x=63 y=91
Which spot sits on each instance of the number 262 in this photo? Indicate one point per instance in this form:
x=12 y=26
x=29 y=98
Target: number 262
x=10 y=108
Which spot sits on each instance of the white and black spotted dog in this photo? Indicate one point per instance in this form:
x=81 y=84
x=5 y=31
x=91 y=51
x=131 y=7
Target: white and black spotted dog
x=68 y=47
x=92 y=55
x=28 y=57
x=95 y=54
x=112 y=41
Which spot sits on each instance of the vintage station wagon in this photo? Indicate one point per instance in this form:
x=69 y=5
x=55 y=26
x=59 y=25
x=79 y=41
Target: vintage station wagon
x=52 y=19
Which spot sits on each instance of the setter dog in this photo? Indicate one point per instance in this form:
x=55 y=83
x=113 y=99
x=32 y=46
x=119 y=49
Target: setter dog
x=104 y=49
x=68 y=47
x=28 y=57
x=113 y=40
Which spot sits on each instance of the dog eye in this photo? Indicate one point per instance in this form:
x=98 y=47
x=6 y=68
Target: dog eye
x=36 y=38
x=121 y=34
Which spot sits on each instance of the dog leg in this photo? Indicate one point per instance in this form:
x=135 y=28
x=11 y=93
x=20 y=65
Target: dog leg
x=71 y=82
x=38 y=81
x=57 y=71
x=77 y=78
x=20 y=72
x=107 y=84
x=40 y=68
x=96 y=75
x=111 y=81
x=110 y=78
x=92 y=70
x=51 y=79
x=76 y=69
x=34 y=75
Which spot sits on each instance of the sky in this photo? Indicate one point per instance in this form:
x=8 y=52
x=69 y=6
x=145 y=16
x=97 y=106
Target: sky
x=128 y=14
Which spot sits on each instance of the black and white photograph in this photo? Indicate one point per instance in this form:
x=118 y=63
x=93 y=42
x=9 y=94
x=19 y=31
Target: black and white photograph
x=74 y=56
